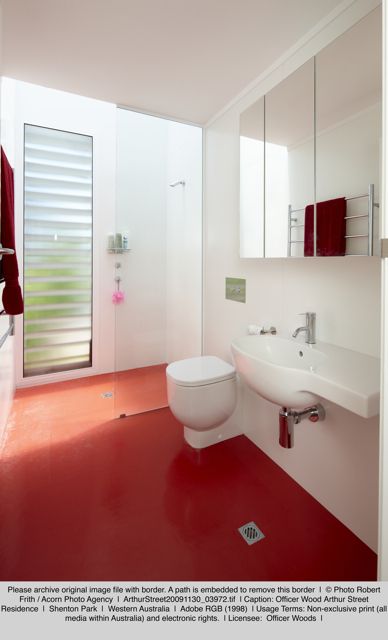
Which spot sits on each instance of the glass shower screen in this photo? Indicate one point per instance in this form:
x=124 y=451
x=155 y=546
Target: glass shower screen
x=156 y=255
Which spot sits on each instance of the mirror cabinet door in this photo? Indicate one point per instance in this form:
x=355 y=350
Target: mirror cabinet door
x=252 y=181
x=289 y=162
x=348 y=138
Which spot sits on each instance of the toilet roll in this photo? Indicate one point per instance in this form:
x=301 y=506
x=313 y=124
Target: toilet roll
x=254 y=329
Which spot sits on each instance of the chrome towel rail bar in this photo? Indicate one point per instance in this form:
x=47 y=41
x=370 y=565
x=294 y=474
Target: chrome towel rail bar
x=5 y=252
x=9 y=332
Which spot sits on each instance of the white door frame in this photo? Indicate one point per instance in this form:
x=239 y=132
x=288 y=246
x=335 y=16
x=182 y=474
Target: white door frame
x=383 y=506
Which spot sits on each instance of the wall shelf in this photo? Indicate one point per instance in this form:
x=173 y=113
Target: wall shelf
x=118 y=250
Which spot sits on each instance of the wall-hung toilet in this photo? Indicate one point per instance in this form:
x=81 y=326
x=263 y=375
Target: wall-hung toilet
x=202 y=394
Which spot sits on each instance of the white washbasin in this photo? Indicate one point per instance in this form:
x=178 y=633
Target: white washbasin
x=293 y=374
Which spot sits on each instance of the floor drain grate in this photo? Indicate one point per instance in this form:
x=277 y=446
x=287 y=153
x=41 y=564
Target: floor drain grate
x=251 y=533
x=107 y=394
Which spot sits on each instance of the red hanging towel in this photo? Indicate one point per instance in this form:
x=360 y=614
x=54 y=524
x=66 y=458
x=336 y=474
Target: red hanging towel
x=12 y=294
x=331 y=228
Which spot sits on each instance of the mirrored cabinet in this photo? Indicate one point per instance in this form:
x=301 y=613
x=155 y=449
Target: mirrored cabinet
x=310 y=154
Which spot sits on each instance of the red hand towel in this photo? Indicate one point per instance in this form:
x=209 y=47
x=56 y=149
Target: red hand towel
x=331 y=228
x=12 y=295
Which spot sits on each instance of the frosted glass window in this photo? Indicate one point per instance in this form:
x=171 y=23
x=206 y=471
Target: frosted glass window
x=58 y=216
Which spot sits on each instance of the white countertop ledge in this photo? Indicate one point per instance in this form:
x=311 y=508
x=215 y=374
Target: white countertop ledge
x=348 y=378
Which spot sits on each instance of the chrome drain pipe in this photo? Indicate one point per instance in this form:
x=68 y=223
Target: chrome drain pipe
x=288 y=418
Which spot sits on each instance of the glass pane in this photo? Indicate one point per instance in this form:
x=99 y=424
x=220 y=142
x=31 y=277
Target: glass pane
x=158 y=294
x=252 y=181
x=348 y=111
x=57 y=250
x=289 y=162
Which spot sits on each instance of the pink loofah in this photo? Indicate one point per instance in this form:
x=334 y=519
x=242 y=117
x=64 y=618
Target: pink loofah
x=117 y=297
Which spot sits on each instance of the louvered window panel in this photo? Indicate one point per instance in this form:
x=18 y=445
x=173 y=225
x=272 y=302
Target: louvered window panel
x=58 y=211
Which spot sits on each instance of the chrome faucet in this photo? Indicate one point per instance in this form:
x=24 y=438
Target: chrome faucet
x=309 y=328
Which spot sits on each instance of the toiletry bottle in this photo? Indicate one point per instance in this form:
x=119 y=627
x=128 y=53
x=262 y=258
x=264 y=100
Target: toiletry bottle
x=111 y=241
x=119 y=241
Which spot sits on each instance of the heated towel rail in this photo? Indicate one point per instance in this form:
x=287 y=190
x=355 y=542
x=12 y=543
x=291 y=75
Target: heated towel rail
x=9 y=331
x=5 y=252
x=294 y=224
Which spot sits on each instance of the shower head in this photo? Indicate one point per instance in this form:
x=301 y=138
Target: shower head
x=175 y=184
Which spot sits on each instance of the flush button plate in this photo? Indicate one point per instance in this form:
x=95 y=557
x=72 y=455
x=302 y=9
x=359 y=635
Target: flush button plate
x=235 y=289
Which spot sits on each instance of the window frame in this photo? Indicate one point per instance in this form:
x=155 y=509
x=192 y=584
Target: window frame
x=65 y=369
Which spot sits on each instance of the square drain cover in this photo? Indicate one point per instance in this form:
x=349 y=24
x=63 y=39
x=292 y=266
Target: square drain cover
x=251 y=533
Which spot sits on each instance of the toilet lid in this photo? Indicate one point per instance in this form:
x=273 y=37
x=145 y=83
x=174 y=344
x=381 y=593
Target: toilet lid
x=195 y=372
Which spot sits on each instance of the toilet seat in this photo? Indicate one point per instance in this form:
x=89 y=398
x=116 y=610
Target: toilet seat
x=199 y=371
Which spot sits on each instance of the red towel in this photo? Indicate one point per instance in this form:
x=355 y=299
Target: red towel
x=12 y=295
x=331 y=228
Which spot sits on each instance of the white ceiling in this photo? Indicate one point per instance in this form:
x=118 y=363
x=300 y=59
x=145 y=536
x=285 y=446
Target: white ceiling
x=182 y=58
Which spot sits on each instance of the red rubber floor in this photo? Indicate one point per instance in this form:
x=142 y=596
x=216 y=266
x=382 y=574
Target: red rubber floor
x=85 y=497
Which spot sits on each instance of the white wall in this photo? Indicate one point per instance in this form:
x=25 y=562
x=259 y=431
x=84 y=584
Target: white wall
x=337 y=460
x=26 y=103
x=383 y=523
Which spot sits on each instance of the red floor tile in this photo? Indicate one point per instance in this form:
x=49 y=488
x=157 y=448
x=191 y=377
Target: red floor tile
x=85 y=497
